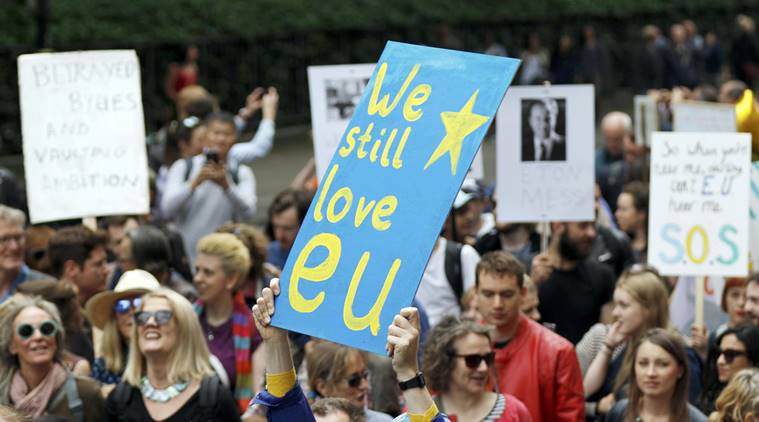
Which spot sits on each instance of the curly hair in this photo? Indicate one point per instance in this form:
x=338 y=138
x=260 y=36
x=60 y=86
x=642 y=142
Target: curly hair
x=9 y=310
x=438 y=349
x=739 y=398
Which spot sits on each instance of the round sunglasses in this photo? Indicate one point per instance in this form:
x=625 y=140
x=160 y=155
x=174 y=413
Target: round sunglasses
x=161 y=317
x=123 y=306
x=473 y=361
x=46 y=328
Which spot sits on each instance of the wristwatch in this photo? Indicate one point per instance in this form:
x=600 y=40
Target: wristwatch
x=416 y=382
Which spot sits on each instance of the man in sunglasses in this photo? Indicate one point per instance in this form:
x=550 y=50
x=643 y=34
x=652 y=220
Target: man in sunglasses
x=13 y=270
x=535 y=365
x=752 y=299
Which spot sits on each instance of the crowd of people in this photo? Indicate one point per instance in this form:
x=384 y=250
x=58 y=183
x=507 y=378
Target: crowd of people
x=167 y=316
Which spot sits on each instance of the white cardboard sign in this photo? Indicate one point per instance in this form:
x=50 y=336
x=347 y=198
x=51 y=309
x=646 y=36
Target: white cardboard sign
x=544 y=152
x=84 y=134
x=334 y=93
x=699 y=203
x=754 y=223
x=696 y=116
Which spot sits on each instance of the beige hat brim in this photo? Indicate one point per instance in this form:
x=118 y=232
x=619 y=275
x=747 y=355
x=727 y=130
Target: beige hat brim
x=100 y=307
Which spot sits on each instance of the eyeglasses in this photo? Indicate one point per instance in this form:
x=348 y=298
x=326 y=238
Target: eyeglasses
x=161 y=317
x=46 y=328
x=5 y=240
x=730 y=354
x=473 y=361
x=123 y=306
x=354 y=381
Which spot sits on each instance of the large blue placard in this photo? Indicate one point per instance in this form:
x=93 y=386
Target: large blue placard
x=364 y=244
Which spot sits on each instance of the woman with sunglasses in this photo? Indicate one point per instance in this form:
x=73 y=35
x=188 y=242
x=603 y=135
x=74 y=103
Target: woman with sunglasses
x=458 y=361
x=33 y=379
x=222 y=266
x=605 y=352
x=113 y=312
x=737 y=348
x=658 y=388
x=284 y=401
x=341 y=372
x=168 y=376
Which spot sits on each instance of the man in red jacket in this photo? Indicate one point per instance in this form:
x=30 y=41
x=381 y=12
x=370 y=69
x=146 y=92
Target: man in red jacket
x=534 y=364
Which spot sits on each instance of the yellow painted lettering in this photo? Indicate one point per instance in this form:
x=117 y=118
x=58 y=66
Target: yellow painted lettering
x=397 y=161
x=381 y=106
x=688 y=244
x=371 y=319
x=385 y=161
x=345 y=150
x=418 y=96
x=362 y=211
x=363 y=139
x=375 y=149
x=346 y=195
x=319 y=273
x=323 y=192
x=385 y=208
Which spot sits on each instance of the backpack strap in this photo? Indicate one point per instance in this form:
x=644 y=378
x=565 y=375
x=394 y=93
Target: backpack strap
x=208 y=396
x=453 y=267
x=121 y=396
x=75 y=402
x=187 y=168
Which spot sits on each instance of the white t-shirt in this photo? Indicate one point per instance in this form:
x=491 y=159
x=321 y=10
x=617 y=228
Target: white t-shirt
x=435 y=293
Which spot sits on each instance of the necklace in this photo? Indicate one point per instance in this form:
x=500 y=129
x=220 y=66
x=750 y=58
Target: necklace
x=161 y=395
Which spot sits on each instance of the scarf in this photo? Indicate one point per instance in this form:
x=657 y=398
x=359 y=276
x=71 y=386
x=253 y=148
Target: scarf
x=242 y=328
x=34 y=403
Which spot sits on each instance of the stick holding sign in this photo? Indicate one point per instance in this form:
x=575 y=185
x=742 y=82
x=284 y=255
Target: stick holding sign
x=699 y=207
x=364 y=244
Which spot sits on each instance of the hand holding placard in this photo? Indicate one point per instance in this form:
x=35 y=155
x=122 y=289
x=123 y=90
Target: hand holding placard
x=364 y=243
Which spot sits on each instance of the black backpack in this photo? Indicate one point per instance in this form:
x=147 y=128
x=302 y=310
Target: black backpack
x=208 y=395
x=453 y=267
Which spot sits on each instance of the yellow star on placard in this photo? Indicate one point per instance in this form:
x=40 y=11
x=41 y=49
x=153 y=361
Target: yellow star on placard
x=458 y=124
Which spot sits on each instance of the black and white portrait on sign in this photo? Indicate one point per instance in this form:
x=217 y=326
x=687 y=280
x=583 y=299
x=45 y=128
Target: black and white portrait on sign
x=343 y=96
x=544 y=129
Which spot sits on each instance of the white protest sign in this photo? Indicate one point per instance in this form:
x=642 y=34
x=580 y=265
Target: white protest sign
x=696 y=116
x=646 y=118
x=754 y=221
x=334 y=93
x=84 y=134
x=699 y=202
x=544 y=153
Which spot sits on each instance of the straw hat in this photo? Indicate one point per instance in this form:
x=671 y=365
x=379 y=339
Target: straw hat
x=134 y=282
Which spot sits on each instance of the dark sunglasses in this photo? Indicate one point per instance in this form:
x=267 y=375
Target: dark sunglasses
x=473 y=361
x=355 y=380
x=730 y=354
x=46 y=328
x=161 y=317
x=123 y=306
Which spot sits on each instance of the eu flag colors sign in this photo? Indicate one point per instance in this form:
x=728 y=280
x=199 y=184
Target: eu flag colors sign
x=364 y=244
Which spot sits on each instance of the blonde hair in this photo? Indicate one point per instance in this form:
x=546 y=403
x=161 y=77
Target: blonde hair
x=234 y=256
x=648 y=290
x=9 y=311
x=739 y=398
x=112 y=347
x=189 y=359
